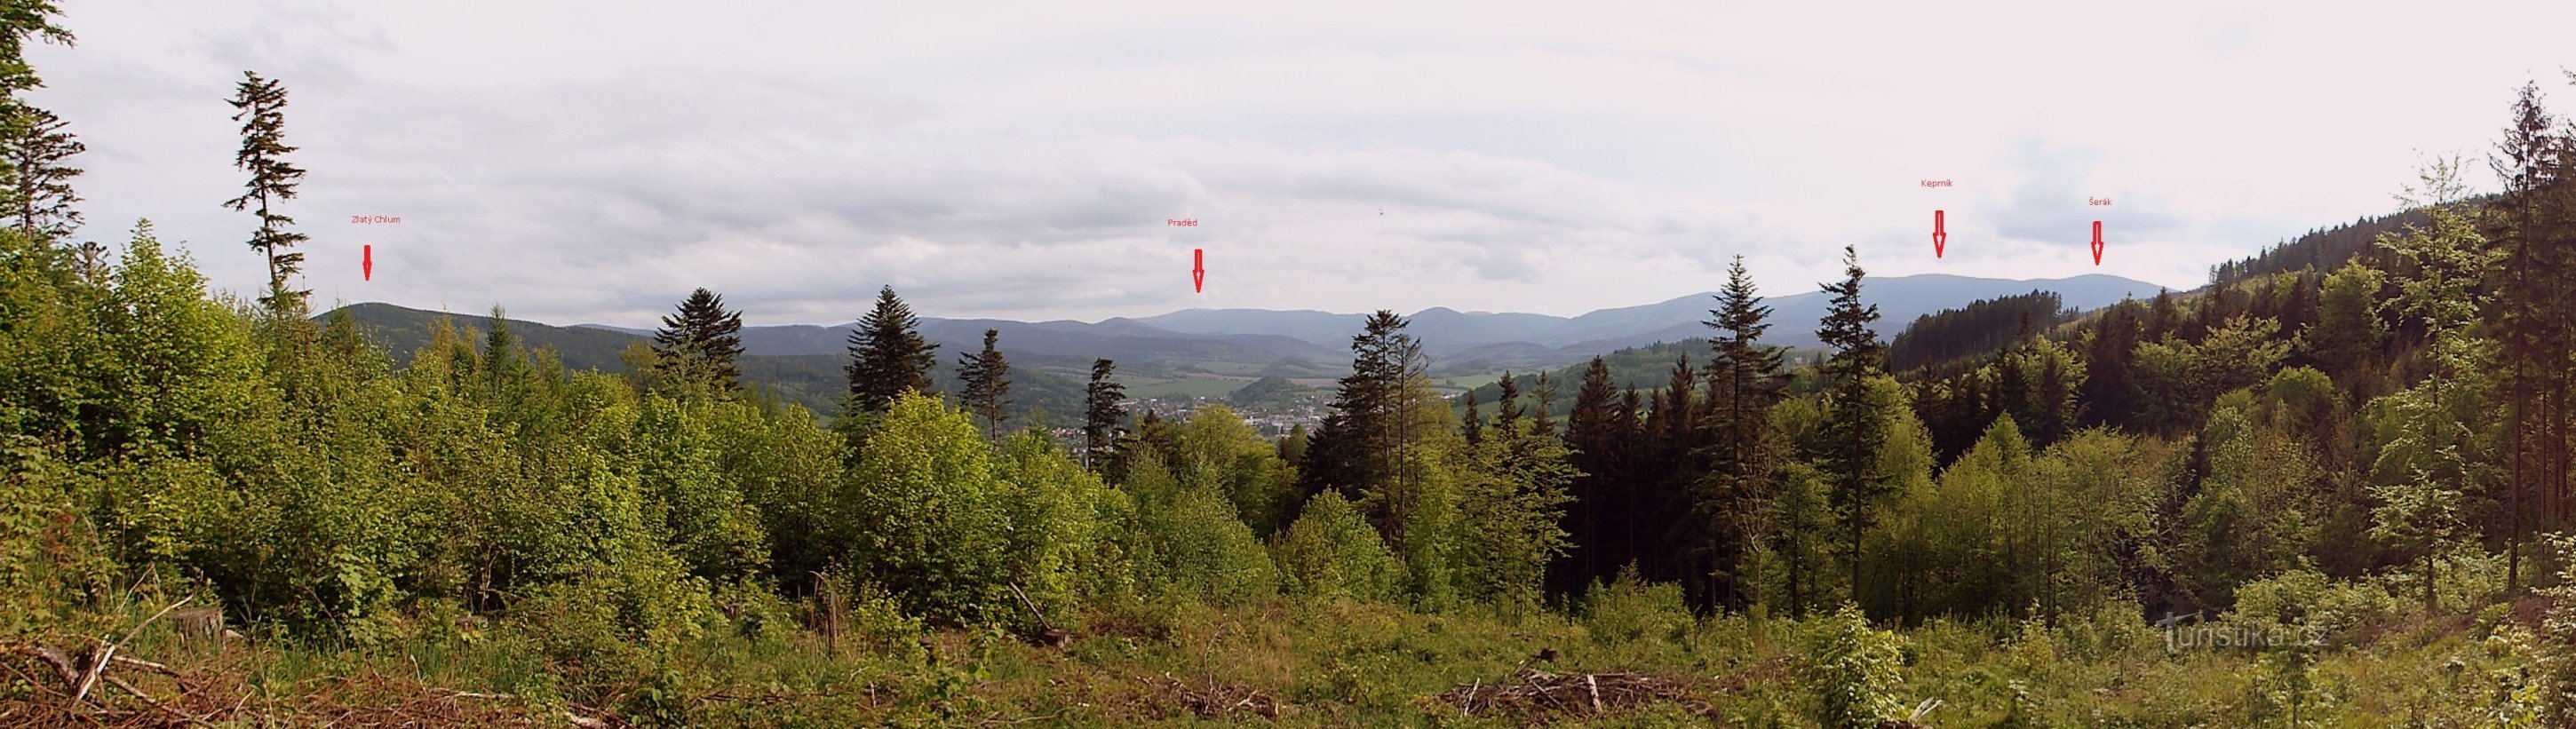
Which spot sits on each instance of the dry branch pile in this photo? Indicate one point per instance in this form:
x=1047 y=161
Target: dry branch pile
x=79 y=680
x=1536 y=695
x=1212 y=699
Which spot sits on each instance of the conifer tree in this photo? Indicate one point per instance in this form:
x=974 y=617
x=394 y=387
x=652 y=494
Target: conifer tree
x=1362 y=440
x=20 y=21
x=1855 y=426
x=2527 y=318
x=2421 y=514
x=1507 y=406
x=701 y=339
x=1600 y=495
x=2105 y=393
x=1544 y=420
x=887 y=354
x=261 y=108
x=1471 y=425
x=1102 y=414
x=987 y=383
x=1665 y=543
x=1732 y=498
x=38 y=151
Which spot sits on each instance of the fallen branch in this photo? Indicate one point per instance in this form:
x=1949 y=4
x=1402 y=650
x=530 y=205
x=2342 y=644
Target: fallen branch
x=147 y=699
x=98 y=665
x=1537 y=694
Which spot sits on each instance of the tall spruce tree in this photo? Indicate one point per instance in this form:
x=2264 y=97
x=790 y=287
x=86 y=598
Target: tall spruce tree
x=1471 y=425
x=260 y=105
x=38 y=154
x=2107 y=391
x=987 y=383
x=39 y=187
x=1745 y=382
x=1102 y=414
x=2531 y=160
x=888 y=355
x=1544 y=419
x=1665 y=542
x=1507 y=405
x=1361 y=443
x=1601 y=501
x=1855 y=426
x=701 y=340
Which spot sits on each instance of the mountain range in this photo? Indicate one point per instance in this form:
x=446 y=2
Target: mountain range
x=1315 y=343
x=1212 y=352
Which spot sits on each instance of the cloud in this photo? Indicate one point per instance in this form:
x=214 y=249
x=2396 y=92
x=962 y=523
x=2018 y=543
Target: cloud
x=594 y=162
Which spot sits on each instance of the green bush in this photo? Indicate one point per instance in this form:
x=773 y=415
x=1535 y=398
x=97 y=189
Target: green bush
x=1626 y=609
x=1187 y=542
x=1330 y=552
x=929 y=518
x=1851 y=669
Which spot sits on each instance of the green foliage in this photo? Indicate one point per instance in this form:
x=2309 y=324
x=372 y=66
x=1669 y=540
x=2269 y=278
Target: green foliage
x=1330 y=552
x=2255 y=513
x=49 y=558
x=1216 y=449
x=1851 y=669
x=1625 y=609
x=698 y=507
x=1511 y=498
x=2178 y=379
x=929 y=517
x=2348 y=326
x=1060 y=548
x=1185 y=541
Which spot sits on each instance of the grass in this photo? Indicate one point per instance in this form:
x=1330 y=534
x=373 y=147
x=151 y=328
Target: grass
x=1342 y=663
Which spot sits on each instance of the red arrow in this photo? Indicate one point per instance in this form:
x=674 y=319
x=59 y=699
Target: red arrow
x=2097 y=242
x=1940 y=238
x=1198 y=269
x=367 y=261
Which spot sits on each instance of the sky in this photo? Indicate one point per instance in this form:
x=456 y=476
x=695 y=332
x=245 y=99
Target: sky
x=595 y=161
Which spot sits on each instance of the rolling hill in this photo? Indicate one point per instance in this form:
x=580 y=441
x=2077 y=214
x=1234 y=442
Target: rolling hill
x=801 y=362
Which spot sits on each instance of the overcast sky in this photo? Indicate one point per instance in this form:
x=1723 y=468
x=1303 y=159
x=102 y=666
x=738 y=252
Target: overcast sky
x=593 y=162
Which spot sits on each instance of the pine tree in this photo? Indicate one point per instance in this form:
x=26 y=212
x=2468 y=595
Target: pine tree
x=1102 y=413
x=40 y=194
x=21 y=20
x=1855 y=426
x=1363 y=439
x=2106 y=393
x=1471 y=425
x=261 y=105
x=2531 y=160
x=1744 y=383
x=1507 y=406
x=1600 y=495
x=2162 y=318
x=1544 y=421
x=701 y=339
x=888 y=355
x=1662 y=538
x=987 y=382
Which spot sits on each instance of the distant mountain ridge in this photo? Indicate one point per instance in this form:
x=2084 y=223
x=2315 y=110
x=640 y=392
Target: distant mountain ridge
x=1449 y=332
x=1263 y=337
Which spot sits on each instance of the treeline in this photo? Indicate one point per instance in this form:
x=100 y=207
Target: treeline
x=2323 y=249
x=1984 y=325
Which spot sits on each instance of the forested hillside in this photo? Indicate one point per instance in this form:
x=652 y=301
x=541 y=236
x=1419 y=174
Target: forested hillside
x=2337 y=484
